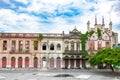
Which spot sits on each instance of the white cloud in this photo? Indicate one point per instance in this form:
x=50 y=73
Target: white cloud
x=23 y=1
x=29 y=23
x=14 y=22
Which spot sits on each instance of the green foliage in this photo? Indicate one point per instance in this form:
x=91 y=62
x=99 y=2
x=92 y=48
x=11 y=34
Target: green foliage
x=99 y=32
x=35 y=45
x=91 y=32
x=106 y=55
x=83 y=40
x=40 y=37
x=84 y=54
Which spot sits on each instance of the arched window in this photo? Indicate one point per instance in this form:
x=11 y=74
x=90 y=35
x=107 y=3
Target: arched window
x=92 y=45
x=72 y=45
x=58 y=47
x=52 y=47
x=4 y=62
x=20 y=62
x=44 y=47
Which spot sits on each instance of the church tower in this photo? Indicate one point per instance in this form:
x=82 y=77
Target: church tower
x=103 y=24
x=110 y=25
x=95 y=20
x=88 y=25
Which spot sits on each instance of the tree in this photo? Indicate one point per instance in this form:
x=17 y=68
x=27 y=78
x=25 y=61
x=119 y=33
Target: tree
x=107 y=56
x=40 y=38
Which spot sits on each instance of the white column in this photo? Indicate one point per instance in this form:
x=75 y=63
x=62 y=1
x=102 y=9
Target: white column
x=69 y=63
x=31 y=61
x=23 y=45
x=69 y=46
x=30 y=45
x=8 y=61
x=75 y=46
x=39 y=47
x=38 y=55
x=16 y=62
x=55 y=62
x=62 y=63
x=8 y=58
x=74 y=63
x=17 y=44
x=10 y=45
x=23 y=62
x=1 y=45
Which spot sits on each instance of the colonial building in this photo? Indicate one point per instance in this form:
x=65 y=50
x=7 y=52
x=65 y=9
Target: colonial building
x=72 y=49
x=51 y=51
x=102 y=36
x=54 y=51
x=19 y=50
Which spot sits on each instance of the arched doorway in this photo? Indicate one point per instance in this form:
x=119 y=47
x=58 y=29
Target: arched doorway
x=51 y=63
x=78 y=62
x=20 y=62
x=26 y=62
x=4 y=62
x=35 y=62
x=44 y=62
x=58 y=63
x=72 y=62
x=66 y=61
x=13 y=62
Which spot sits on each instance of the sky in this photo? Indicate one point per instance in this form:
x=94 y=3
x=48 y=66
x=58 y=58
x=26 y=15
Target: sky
x=55 y=16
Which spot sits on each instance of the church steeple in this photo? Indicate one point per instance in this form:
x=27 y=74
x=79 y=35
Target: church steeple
x=95 y=20
x=103 y=24
x=88 y=25
x=110 y=25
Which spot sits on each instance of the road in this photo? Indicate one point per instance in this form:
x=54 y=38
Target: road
x=50 y=75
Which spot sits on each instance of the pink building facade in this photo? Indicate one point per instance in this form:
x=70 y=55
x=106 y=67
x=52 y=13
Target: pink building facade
x=19 y=50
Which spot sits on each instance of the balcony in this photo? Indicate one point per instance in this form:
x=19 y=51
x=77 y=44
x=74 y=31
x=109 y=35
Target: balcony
x=72 y=52
x=19 y=52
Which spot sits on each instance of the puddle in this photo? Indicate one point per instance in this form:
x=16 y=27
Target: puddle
x=63 y=75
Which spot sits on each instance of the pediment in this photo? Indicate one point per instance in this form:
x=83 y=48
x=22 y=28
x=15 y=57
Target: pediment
x=105 y=36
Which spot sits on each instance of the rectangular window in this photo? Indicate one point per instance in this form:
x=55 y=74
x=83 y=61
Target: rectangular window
x=99 y=45
x=66 y=47
x=72 y=46
x=5 y=45
x=92 y=46
x=20 y=45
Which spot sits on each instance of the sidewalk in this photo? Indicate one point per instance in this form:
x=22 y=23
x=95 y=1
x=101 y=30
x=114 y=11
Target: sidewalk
x=39 y=69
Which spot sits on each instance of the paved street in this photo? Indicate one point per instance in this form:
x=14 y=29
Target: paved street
x=50 y=75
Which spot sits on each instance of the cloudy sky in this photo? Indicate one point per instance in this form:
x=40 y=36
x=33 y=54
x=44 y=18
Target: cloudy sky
x=54 y=16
